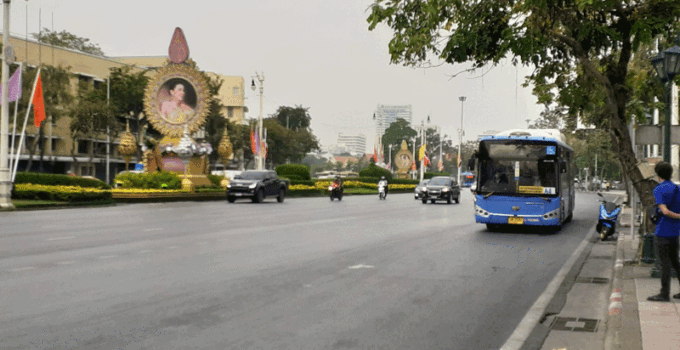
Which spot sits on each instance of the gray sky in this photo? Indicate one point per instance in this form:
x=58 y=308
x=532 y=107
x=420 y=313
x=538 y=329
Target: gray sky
x=315 y=53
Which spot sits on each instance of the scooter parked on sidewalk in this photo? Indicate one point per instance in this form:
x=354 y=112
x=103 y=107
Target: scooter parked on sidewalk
x=609 y=215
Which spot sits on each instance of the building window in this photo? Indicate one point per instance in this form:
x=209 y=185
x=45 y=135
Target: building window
x=83 y=146
x=235 y=90
x=230 y=113
x=54 y=145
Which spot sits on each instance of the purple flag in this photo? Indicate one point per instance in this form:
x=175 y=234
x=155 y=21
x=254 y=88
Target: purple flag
x=14 y=86
x=257 y=143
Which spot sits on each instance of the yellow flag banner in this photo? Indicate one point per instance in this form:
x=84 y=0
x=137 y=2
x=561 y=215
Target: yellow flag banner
x=421 y=152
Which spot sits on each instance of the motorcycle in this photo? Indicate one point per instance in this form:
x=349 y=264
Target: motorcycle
x=609 y=214
x=381 y=191
x=335 y=191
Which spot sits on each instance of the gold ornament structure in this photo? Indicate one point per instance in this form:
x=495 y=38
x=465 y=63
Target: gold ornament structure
x=127 y=147
x=403 y=160
x=225 y=149
x=173 y=124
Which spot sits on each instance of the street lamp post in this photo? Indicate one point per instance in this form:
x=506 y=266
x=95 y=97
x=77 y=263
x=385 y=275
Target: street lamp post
x=259 y=156
x=390 y=158
x=460 y=134
x=5 y=181
x=667 y=66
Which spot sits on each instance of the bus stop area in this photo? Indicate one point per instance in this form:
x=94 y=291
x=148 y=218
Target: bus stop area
x=606 y=306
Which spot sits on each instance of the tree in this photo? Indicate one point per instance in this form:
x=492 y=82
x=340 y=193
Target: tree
x=398 y=131
x=287 y=145
x=581 y=49
x=68 y=40
x=293 y=117
x=57 y=98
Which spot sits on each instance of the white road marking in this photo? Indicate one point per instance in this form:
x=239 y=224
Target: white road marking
x=202 y=243
x=361 y=266
x=144 y=251
x=66 y=262
x=107 y=256
x=59 y=238
x=153 y=229
x=22 y=269
x=173 y=247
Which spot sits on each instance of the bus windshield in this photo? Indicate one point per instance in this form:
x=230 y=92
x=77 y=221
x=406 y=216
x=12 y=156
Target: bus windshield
x=517 y=176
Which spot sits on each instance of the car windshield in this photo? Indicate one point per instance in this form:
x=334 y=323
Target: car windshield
x=250 y=176
x=440 y=181
x=423 y=183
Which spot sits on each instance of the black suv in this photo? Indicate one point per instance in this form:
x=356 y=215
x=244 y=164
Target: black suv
x=441 y=188
x=256 y=185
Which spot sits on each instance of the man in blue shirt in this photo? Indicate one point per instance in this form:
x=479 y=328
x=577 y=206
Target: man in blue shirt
x=667 y=196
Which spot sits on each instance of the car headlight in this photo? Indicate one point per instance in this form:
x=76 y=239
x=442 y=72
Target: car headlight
x=253 y=186
x=445 y=190
x=228 y=185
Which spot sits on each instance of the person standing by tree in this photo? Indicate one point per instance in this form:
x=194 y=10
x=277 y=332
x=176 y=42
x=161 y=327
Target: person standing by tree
x=667 y=229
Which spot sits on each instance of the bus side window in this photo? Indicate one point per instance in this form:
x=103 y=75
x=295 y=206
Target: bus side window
x=563 y=167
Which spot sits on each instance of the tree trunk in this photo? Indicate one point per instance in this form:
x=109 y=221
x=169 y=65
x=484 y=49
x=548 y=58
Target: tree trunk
x=41 y=138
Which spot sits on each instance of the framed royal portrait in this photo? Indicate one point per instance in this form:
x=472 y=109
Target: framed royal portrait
x=175 y=99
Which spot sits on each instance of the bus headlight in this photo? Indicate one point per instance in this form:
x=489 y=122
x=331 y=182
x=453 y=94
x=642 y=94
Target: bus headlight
x=481 y=212
x=552 y=215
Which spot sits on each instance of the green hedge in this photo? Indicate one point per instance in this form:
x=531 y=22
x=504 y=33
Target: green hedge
x=302 y=182
x=154 y=180
x=292 y=177
x=58 y=180
x=431 y=175
x=215 y=180
x=404 y=182
x=375 y=171
x=55 y=194
x=293 y=169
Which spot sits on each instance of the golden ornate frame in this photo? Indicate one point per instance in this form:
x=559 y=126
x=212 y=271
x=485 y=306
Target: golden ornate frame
x=152 y=106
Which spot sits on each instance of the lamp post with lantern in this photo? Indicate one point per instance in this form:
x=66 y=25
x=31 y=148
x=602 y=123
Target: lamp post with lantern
x=259 y=157
x=667 y=66
x=460 y=134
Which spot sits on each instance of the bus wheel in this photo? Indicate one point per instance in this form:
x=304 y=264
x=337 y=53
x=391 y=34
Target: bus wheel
x=492 y=227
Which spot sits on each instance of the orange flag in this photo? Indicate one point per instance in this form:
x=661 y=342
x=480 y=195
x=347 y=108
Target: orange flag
x=38 y=104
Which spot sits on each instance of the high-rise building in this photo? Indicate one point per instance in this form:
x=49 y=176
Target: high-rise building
x=386 y=115
x=356 y=143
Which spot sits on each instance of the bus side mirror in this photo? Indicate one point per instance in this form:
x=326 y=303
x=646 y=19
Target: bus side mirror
x=472 y=162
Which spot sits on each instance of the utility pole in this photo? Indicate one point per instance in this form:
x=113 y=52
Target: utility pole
x=5 y=181
x=460 y=134
x=422 y=143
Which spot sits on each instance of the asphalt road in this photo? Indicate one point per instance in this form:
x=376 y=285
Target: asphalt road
x=305 y=274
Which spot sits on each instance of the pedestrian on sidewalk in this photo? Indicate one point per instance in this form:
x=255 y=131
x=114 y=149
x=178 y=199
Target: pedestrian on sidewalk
x=667 y=229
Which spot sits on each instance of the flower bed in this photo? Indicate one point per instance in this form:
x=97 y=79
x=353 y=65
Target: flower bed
x=60 y=193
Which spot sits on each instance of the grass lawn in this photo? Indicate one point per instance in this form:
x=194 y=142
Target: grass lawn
x=23 y=203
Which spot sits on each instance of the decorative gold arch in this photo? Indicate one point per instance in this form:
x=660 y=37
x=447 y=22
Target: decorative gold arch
x=196 y=91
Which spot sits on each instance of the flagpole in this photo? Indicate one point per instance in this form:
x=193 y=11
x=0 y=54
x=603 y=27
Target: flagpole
x=14 y=123
x=23 y=131
x=5 y=183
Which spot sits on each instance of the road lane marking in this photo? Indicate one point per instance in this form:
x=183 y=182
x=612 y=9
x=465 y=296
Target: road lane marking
x=361 y=266
x=173 y=247
x=22 y=269
x=144 y=251
x=202 y=243
x=59 y=238
x=107 y=256
x=66 y=262
x=153 y=229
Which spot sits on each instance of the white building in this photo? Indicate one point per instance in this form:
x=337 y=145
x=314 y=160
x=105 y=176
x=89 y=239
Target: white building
x=355 y=143
x=386 y=115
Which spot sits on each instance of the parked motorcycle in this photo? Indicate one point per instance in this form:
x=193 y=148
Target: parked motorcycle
x=335 y=191
x=382 y=194
x=609 y=214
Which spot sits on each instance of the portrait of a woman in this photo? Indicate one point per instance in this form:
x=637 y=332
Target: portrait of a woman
x=176 y=99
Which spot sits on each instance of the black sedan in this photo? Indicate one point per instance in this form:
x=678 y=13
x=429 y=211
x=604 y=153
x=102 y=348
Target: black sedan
x=256 y=185
x=442 y=188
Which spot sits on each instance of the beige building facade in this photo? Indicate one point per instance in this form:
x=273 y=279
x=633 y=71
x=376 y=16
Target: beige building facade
x=90 y=154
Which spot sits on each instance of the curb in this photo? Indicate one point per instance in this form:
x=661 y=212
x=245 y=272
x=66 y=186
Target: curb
x=611 y=340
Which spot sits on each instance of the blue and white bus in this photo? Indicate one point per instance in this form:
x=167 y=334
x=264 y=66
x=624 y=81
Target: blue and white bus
x=467 y=178
x=524 y=177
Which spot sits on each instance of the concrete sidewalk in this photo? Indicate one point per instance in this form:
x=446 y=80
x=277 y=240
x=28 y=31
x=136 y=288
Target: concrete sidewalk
x=607 y=307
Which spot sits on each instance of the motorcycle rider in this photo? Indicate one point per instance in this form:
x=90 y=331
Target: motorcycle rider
x=338 y=181
x=383 y=182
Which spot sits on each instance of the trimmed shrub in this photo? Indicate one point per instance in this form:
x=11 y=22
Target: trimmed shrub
x=368 y=179
x=292 y=177
x=293 y=169
x=431 y=175
x=396 y=181
x=375 y=171
x=215 y=180
x=157 y=180
x=302 y=182
x=48 y=179
x=60 y=193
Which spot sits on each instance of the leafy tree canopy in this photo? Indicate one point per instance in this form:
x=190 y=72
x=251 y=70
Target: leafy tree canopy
x=293 y=117
x=68 y=40
x=581 y=50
